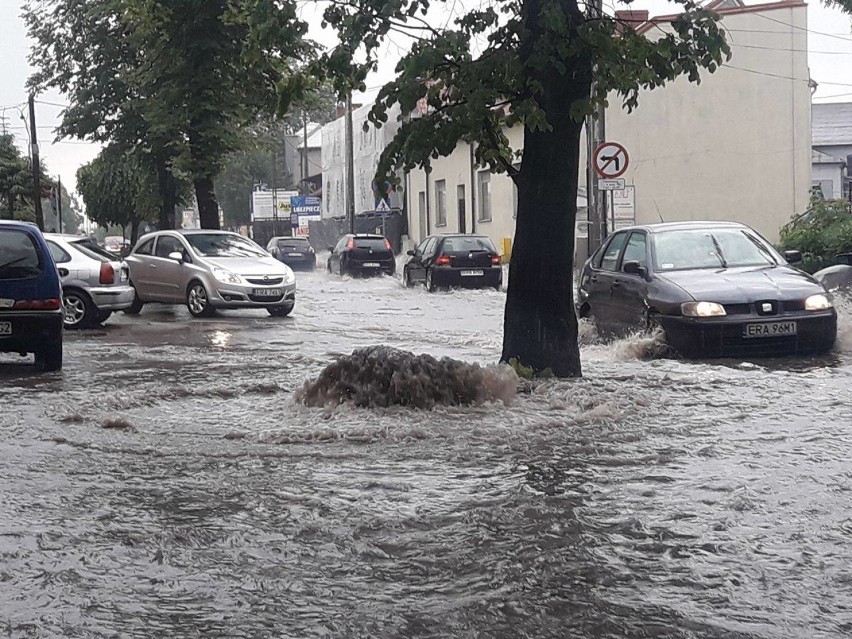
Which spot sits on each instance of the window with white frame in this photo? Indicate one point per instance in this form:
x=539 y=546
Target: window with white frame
x=483 y=180
x=440 y=202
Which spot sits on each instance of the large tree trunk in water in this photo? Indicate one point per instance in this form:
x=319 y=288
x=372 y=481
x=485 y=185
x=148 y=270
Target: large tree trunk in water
x=540 y=323
x=208 y=209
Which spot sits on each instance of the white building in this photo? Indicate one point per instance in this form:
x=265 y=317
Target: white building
x=831 y=125
x=735 y=147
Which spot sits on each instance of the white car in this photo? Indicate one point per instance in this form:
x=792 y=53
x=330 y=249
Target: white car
x=209 y=270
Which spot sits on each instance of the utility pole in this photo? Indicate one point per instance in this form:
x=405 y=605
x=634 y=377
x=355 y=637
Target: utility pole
x=350 y=166
x=36 y=166
x=59 y=204
x=275 y=193
x=304 y=158
x=595 y=136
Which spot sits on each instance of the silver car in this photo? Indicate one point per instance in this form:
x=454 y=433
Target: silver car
x=94 y=282
x=209 y=270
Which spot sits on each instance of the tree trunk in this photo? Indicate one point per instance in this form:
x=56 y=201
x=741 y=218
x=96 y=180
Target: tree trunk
x=167 y=187
x=134 y=230
x=540 y=323
x=208 y=209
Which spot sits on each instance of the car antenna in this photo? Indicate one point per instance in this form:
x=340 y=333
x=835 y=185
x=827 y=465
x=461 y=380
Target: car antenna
x=658 y=211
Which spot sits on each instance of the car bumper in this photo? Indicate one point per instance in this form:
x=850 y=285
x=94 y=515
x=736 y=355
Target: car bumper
x=304 y=262
x=461 y=277
x=359 y=268
x=112 y=298
x=724 y=336
x=228 y=296
x=31 y=330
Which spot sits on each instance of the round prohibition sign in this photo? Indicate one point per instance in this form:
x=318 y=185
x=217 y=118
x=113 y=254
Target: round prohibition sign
x=610 y=160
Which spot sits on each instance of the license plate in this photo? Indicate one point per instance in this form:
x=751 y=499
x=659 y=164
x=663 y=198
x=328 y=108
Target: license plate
x=769 y=329
x=267 y=292
x=295 y=254
x=371 y=265
x=472 y=273
x=5 y=328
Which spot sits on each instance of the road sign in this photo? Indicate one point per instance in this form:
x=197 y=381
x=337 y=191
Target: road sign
x=610 y=160
x=611 y=185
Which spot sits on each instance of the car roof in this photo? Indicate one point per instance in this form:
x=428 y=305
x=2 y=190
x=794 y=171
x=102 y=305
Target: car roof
x=19 y=224
x=444 y=235
x=67 y=237
x=662 y=227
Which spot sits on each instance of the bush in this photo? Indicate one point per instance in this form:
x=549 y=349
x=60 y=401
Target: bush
x=820 y=233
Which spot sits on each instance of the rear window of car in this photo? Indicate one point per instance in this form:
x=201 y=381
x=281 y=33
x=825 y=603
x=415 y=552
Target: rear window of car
x=293 y=243
x=371 y=243
x=93 y=250
x=467 y=244
x=19 y=256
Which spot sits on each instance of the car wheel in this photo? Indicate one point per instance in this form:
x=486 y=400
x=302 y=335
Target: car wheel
x=49 y=358
x=79 y=309
x=136 y=307
x=197 y=300
x=280 y=311
x=430 y=282
x=103 y=316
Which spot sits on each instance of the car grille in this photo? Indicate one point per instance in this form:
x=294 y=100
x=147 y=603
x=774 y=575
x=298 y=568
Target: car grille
x=265 y=281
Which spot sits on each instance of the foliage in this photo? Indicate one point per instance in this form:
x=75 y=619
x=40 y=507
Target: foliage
x=821 y=233
x=15 y=178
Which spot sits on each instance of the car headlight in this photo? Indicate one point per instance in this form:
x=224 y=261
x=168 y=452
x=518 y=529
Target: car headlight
x=818 y=302
x=702 y=309
x=289 y=276
x=226 y=277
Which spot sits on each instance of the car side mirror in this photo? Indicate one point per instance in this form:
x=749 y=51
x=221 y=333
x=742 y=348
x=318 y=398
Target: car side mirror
x=409 y=252
x=633 y=267
x=177 y=256
x=793 y=257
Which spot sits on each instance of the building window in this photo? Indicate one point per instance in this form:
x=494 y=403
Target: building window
x=823 y=188
x=462 y=205
x=440 y=202
x=483 y=179
x=421 y=208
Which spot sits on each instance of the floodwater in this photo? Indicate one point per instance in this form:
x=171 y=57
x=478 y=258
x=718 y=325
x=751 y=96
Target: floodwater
x=166 y=484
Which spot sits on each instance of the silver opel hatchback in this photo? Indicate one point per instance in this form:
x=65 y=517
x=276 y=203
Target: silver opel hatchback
x=209 y=270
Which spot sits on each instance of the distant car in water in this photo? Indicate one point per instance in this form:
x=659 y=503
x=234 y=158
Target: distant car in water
x=362 y=254
x=209 y=270
x=94 y=281
x=296 y=252
x=714 y=288
x=30 y=296
x=442 y=261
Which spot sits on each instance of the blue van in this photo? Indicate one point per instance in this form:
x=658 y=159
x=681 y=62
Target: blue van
x=31 y=314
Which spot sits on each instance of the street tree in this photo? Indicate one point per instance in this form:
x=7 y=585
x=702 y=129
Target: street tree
x=537 y=64
x=15 y=178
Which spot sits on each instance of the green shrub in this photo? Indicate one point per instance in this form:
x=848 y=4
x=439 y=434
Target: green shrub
x=820 y=233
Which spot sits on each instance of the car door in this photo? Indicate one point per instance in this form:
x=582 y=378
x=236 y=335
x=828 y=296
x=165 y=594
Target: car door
x=62 y=259
x=139 y=263
x=169 y=276
x=599 y=285
x=416 y=268
x=334 y=259
x=629 y=290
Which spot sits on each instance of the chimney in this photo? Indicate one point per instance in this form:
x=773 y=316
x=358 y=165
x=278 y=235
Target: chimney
x=632 y=18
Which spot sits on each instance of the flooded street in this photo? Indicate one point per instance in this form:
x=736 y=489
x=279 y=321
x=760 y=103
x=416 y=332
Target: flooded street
x=166 y=484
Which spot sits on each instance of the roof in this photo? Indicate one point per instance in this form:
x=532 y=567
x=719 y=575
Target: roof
x=817 y=157
x=831 y=123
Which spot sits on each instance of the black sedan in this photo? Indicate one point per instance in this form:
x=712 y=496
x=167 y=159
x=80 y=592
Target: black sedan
x=714 y=288
x=441 y=261
x=296 y=252
x=362 y=254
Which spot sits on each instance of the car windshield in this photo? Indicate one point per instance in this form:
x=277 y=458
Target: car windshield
x=710 y=248
x=468 y=244
x=18 y=256
x=223 y=245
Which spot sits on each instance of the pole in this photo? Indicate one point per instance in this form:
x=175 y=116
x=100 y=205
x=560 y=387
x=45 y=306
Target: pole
x=350 y=166
x=304 y=158
x=59 y=204
x=595 y=136
x=36 y=167
x=275 y=193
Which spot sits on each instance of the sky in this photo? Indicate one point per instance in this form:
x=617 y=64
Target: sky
x=829 y=47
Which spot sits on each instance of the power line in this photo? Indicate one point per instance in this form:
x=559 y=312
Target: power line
x=830 y=35
x=795 y=26
x=55 y=104
x=784 y=77
x=756 y=46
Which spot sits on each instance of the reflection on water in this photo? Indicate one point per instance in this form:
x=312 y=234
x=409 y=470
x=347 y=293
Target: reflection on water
x=651 y=498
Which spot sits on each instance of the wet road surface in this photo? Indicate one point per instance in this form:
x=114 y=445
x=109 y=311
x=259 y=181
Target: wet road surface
x=166 y=484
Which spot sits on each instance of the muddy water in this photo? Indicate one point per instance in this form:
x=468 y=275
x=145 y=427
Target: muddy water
x=165 y=484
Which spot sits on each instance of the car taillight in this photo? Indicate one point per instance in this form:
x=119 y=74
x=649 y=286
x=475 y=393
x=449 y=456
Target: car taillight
x=107 y=274
x=387 y=245
x=442 y=260
x=495 y=260
x=50 y=304
x=351 y=243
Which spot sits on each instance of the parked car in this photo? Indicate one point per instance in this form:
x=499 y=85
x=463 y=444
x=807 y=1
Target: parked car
x=295 y=252
x=209 y=270
x=30 y=296
x=361 y=254
x=838 y=276
x=94 y=282
x=441 y=261
x=714 y=288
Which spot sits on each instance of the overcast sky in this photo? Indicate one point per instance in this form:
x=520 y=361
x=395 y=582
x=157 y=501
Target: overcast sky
x=829 y=45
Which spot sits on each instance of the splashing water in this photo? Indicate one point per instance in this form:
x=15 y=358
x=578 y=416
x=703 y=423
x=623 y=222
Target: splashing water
x=381 y=376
